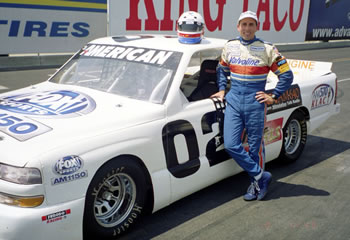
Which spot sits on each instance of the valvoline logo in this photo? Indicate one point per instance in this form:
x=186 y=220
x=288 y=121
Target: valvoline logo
x=57 y=103
x=68 y=165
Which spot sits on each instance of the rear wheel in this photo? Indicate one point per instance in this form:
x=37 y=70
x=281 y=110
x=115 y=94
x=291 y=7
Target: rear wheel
x=295 y=135
x=115 y=199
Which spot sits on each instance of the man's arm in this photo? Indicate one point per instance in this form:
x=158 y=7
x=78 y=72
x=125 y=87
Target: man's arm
x=222 y=73
x=285 y=76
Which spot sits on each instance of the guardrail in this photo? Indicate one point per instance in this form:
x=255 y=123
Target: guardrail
x=25 y=62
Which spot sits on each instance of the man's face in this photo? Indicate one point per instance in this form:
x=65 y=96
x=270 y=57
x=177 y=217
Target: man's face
x=247 y=28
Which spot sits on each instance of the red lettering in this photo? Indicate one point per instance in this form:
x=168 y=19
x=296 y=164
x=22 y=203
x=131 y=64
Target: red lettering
x=152 y=22
x=193 y=5
x=245 y=5
x=134 y=22
x=278 y=24
x=211 y=24
x=166 y=24
x=264 y=7
x=294 y=25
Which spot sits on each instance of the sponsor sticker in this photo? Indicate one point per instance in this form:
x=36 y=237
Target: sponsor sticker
x=245 y=62
x=322 y=96
x=273 y=131
x=20 y=127
x=57 y=103
x=235 y=53
x=257 y=49
x=289 y=99
x=150 y=56
x=68 y=168
x=283 y=65
x=57 y=216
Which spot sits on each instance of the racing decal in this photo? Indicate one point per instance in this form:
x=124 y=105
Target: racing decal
x=68 y=168
x=302 y=64
x=257 y=48
x=169 y=132
x=273 y=131
x=282 y=65
x=245 y=62
x=57 y=103
x=289 y=99
x=57 y=216
x=20 y=127
x=215 y=151
x=322 y=96
x=151 y=56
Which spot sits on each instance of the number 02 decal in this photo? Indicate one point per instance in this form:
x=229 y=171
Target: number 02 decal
x=185 y=128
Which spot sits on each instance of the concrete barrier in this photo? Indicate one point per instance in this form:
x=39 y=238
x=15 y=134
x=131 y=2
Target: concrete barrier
x=25 y=62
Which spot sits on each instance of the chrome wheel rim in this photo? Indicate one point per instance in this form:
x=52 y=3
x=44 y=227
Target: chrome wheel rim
x=293 y=136
x=114 y=199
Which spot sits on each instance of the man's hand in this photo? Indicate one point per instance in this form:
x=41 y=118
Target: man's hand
x=220 y=95
x=263 y=97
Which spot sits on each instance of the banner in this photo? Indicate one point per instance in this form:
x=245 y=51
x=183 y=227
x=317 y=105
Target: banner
x=281 y=21
x=50 y=26
x=329 y=20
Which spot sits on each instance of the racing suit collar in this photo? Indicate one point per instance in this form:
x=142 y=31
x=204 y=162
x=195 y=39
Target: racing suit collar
x=245 y=42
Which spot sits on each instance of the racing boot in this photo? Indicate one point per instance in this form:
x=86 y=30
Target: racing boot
x=262 y=185
x=251 y=193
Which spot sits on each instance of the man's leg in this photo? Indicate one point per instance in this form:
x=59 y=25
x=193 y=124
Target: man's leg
x=255 y=122
x=233 y=127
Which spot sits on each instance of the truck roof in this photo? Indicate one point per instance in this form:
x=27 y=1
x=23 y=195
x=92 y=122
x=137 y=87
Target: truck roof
x=165 y=42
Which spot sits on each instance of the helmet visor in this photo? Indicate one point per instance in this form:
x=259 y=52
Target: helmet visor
x=193 y=27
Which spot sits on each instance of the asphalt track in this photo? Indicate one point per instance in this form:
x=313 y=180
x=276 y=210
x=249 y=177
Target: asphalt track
x=308 y=199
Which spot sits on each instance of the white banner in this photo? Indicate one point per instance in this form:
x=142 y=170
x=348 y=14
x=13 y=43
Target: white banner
x=281 y=21
x=28 y=30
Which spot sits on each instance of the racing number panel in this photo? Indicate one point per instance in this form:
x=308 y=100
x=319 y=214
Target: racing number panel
x=169 y=132
x=184 y=127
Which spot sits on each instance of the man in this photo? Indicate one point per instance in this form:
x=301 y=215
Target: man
x=248 y=60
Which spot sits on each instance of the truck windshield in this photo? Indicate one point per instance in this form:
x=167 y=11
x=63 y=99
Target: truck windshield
x=135 y=76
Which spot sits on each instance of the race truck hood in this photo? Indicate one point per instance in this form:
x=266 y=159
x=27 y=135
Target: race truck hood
x=36 y=119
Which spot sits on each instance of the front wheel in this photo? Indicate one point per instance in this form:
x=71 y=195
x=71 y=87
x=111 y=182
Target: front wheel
x=115 y=199
x=294 y=138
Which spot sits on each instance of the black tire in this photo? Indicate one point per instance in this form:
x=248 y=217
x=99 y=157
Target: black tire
x=115 y=199
x=294 y=138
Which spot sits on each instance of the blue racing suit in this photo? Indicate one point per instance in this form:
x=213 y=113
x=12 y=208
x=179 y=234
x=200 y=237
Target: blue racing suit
x=248 y=64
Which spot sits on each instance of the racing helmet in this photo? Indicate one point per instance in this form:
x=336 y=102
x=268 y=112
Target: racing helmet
x=190 y=27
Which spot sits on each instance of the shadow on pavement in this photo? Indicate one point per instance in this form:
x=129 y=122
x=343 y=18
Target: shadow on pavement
x=317 y=150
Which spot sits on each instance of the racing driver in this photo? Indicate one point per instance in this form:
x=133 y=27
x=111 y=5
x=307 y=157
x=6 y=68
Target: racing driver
x=248 y=60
